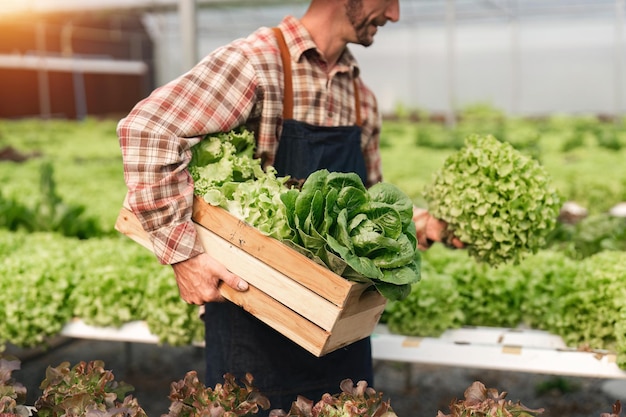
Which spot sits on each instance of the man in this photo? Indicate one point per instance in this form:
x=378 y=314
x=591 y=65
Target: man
x=297 y=87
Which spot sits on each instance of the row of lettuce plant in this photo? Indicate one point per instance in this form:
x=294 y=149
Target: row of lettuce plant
x=49 y=279
x=580 y=300
x=53 y=273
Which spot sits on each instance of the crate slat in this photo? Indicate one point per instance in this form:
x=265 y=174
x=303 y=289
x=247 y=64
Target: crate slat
x=315 y=277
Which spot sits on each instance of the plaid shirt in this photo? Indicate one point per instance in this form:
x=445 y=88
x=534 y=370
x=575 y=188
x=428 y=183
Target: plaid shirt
x=238 y=84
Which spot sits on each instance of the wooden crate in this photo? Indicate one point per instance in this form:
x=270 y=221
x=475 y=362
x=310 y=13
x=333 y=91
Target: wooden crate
x=301 y=299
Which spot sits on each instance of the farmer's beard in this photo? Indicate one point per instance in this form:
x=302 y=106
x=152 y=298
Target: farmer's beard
x=364 y=28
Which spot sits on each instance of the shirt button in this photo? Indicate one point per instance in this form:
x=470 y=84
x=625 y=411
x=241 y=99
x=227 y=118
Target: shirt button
x=329 y=114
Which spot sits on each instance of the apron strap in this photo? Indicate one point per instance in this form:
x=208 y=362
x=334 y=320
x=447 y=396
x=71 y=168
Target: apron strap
x=288 y=95
x=286 y=57
x=357 y=102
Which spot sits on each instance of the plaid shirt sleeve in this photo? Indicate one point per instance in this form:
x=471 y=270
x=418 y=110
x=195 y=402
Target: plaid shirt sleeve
x=156 y=137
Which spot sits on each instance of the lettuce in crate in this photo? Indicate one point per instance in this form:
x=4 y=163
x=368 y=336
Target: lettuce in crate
x=226 y=174
x=364 y=235
x=496 y=200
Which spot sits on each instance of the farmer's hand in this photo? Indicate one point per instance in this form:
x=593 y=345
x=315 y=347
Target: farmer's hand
x=430 y=230
x=199 y=278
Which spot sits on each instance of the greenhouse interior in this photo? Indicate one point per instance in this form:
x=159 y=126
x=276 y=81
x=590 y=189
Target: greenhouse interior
x=505 y=120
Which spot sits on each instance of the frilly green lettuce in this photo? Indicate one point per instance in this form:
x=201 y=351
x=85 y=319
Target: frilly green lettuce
x=496 y=200
x=226 y=174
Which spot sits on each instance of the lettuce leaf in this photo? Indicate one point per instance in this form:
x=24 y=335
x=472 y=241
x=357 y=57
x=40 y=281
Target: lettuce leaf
x=362 y=235
x=226 y=174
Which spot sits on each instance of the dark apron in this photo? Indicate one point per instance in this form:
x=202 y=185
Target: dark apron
x=237 y=342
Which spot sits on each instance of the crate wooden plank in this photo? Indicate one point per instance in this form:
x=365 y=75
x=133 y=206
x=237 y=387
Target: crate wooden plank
x=278 y=316
x=270 y=281
x=283 y=302
x=352 y=320
x=316 y=277
x=288 y=322
x=258 y=274
x=128 y=224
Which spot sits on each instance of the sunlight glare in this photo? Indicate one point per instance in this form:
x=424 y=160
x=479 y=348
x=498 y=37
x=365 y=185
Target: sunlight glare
x=15 y=6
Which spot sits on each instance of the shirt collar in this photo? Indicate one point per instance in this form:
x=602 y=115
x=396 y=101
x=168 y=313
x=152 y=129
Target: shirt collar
x=299 y=42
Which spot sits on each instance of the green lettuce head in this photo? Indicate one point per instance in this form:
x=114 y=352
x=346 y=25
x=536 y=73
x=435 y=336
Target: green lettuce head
x=495 y=199
x=365 y=235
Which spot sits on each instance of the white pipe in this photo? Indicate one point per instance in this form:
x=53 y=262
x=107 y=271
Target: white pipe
x=620 y=6
x=103 y=66
x=157 y=27
x=451 y=53
x=188 y=33
x=43 y=84
x=516 y=57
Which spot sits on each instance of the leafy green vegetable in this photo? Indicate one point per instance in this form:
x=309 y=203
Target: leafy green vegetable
x=190 y=398
x=457 y=291
x=87 y=164
x=496 y=200
x=168 y=317
x=47 y=279
x=486 y=296
x=120 y=286
x=547 y=276
x=481 y=401
x=227 y=175
x=593 y=234
x=41 y=270
x=372 y=231
x=85 y=389
x=364 y=235
x=354 y=401
x=580 y=301
x=223 y=158
x=433 y=306
x=12 y=393
x=35 y=294
x=598 y=294
x=492 y=296
x=49 y=212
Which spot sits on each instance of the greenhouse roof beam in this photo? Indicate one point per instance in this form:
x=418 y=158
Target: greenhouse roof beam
x=64 y=6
